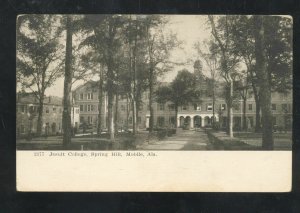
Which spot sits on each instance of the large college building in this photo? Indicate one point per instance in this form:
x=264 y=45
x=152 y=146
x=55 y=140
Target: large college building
x=27 y=115
x=190 y=115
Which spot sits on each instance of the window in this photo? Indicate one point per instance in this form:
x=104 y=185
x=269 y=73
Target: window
x=284 y=107
x=81 y=119
x=89 y=108
x=23 y=108
x=171 y=107
x=81 y=108
x=274 y=120
x=197 y=107
x=47 y=109
x=81 y=96
x=90 y=96
x=250 y=107
x=22 y=128
x=249 y=95
x=54 y=109
x=185 y=107
x=32 y=109
x=223 y=106
x=161 y=107
x=92 y=108
x=274 y=107
x=209 y=107
x=77 y=111
x=90 y=119
x=139 y=120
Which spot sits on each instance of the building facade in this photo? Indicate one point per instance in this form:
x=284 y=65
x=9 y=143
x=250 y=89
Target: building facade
x=27 y=115
x=190 y=115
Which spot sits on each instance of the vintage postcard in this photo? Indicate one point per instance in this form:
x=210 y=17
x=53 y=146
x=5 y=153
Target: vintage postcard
x=131 y=102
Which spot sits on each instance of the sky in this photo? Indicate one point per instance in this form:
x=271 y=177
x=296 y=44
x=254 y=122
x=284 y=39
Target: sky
x=189 y=29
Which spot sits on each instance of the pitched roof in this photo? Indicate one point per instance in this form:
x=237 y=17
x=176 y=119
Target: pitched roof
x=29 y=98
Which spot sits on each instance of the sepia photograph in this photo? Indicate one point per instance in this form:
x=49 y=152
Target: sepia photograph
x=154 y=82
x=174 y=102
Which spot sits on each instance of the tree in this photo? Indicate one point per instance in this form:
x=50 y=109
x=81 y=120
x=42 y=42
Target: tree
x=229 y=59
x=264 y=82
x=243 y=42
x=93 y=59
x=134 y=33
x=67 y=126
x=242 y=85
x=158 y=48
x=278 y=46
x=108 y=40
x=182 y=90
x=39 y=59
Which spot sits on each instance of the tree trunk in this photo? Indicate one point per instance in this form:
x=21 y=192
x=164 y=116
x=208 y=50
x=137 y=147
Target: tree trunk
x=151 y=119
x=127 y=112
x=264 y=83
x=110 y=83
x=133 y=115
x=40 y=115
x=244 y=113
x=213 y=120
x=100 y=97
x=176 y=115
x=230 y=115
x=67 y=126
x=116 y=112
x=137 y=116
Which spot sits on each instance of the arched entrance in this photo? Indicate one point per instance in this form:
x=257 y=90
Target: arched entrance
x=181 y=121
x=207 y=121
x=187 y=122
x=197 y=121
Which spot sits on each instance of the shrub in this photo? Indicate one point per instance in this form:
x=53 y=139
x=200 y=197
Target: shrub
x=216 y=126
x=161 y=134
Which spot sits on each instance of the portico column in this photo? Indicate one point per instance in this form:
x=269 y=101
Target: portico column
x=202 y=121
x=178 y=121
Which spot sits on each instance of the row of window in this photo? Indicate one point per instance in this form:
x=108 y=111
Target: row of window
x=88 y=96
x=34 y=109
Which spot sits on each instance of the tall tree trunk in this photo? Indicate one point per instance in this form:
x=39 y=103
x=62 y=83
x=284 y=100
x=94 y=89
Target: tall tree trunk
x=214 y=100
x=116 y=112
x=264 y=83
x=100 y=97
x=151 y=119
x=110 y=100
x=40 y=116
x=127 y=112
x=67 y=126
x=230 y=110
x=176 y=115
x=244 y=113
x=110 y=83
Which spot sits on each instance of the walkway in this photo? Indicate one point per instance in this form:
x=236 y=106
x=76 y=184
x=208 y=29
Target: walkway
x=182 y=140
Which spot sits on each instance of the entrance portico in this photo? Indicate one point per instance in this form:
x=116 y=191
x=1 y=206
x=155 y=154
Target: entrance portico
x=195 y=120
